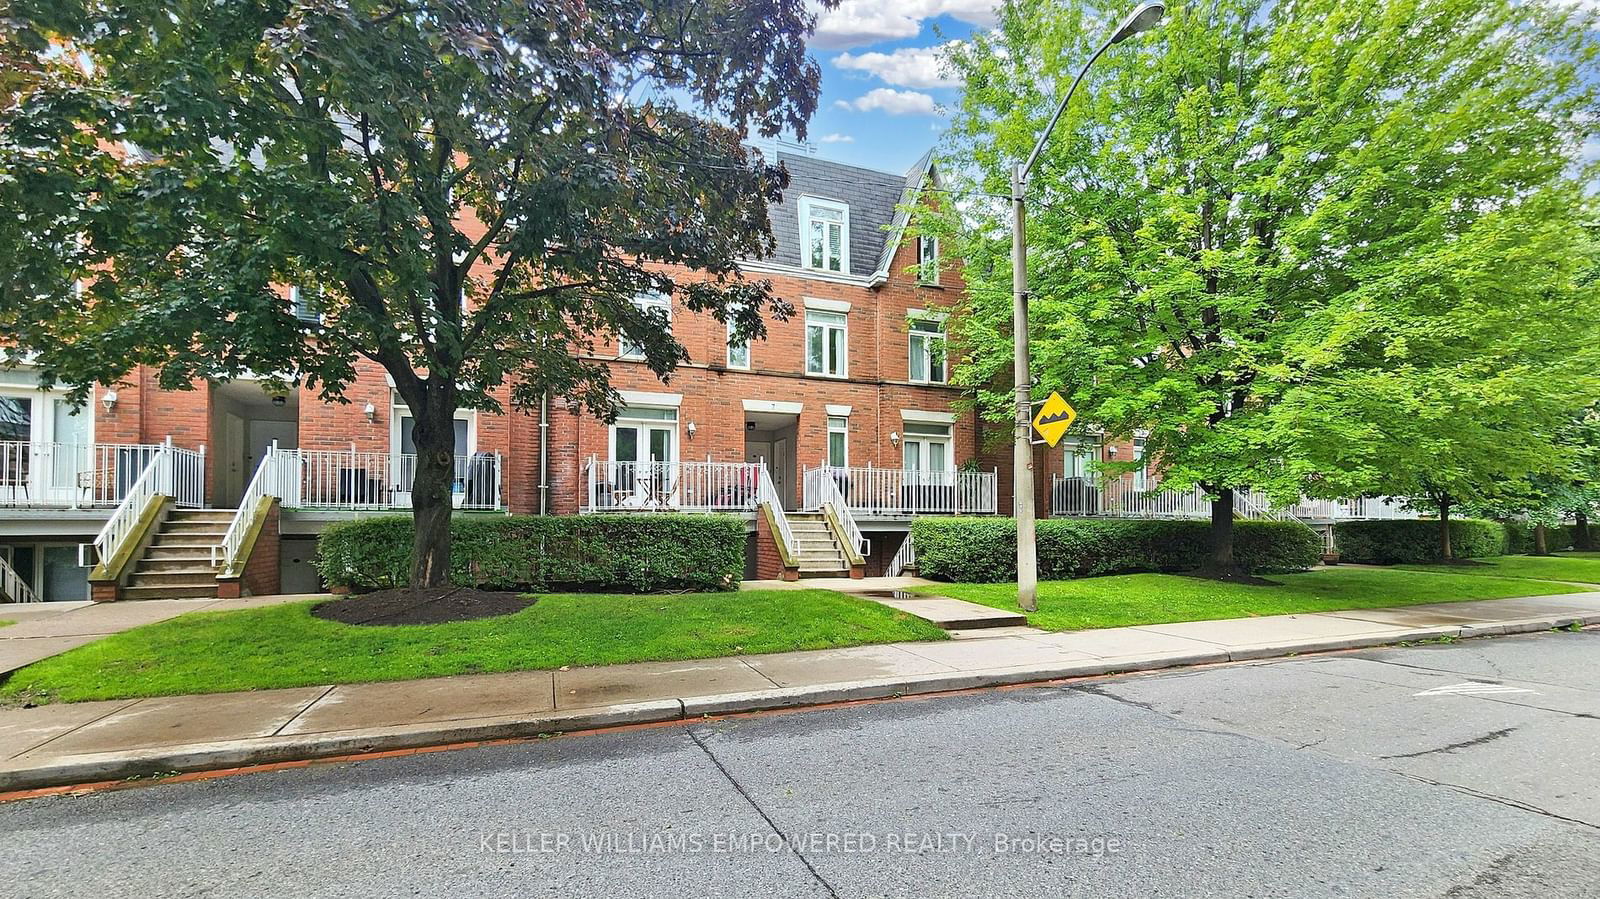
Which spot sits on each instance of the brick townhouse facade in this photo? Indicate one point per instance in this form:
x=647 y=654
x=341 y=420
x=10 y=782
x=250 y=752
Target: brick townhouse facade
x=849 y=390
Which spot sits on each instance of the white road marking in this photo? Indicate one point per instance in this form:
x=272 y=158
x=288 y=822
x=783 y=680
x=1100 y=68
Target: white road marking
x=1473 y=688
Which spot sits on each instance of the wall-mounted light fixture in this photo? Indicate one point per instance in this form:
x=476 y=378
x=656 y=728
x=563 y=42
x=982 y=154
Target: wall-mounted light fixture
x=749 y=426
x=371 y=412
x=109 y=400
x=1111 y=450
x=692 y=429
x=279 y=400
x=894 y=438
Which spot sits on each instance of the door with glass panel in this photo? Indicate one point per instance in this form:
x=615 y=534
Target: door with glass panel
x=927 y=469
x=642 y=473
x=74 y=474
x=16 y=450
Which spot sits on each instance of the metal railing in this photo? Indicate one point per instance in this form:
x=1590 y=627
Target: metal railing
x=1123 y=498
x=904 y=557
x=671 y=486
x=895 y=492
x=154 y=480
x=1359 y=509
x=356 y=480
x=767 y=495
x=266 y=481
x=12 y=587
x=87 y=475
x=820 y=484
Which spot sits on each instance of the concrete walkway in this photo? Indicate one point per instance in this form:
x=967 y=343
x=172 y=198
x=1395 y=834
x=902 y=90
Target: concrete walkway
x=97 y=741
x=44 y=629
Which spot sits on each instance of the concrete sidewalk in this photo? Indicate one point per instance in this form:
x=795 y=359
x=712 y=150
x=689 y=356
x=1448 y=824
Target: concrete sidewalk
x=98 y=741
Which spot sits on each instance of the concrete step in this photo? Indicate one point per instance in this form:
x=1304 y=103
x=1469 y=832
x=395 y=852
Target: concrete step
x=148 y=565
x=174 y=579
x=164 y=539
x=223 y=515
x=179 y=553
x=194 y=527
x=196 y=592
x=823 y=572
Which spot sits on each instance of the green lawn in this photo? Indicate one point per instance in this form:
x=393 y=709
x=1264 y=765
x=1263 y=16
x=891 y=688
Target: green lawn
x=6 y=623
x=285 y=646
x=1127 y=599
x=1581 y=567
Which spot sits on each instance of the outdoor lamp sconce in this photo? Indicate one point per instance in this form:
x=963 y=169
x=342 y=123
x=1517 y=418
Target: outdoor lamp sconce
x=894 y=438
x=109 y=400
x=372 y=413
x=279 y=400
x=1111 y=451
x=692 y=429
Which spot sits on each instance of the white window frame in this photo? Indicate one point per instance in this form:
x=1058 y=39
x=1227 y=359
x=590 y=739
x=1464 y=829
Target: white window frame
x=306 y=315
x=947 y=439
x=733 y=348
x=807 y=207
x=398 y=409
x=644 y=301
x=838 y=424
x=1080 y=448
x=828 y=321
x=1141 y=475
x=927 y=269
x=912 y=337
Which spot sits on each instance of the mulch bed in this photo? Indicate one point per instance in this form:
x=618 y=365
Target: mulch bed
x=435 y=605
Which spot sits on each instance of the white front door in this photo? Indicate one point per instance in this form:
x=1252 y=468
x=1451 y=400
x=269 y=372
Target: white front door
x=643 y=472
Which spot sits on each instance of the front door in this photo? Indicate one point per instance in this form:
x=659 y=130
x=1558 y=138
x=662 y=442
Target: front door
x=643 y=454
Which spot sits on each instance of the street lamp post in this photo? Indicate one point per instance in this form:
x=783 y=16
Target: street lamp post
x=1143 y=18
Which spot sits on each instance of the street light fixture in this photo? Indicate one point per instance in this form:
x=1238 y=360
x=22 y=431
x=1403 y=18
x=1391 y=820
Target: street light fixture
x=1143 y=18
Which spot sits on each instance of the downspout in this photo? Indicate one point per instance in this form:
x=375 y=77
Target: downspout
x=544 y=453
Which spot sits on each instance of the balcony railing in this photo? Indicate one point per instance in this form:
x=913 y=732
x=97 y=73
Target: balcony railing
x=89 y=475
x=1125 y=498
x=347 y=479
x=670 y=486
x=898 y=492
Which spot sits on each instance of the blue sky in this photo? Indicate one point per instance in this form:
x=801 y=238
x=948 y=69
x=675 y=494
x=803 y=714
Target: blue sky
x=881 y=86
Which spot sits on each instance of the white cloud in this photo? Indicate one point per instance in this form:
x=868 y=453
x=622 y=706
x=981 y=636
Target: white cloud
x=836 y=139
x=905 y=67
x=892 y=102
x=856 y=23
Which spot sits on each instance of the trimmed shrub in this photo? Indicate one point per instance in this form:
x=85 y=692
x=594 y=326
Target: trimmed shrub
x=983 y=550
x=635 y=553
x=1519 y=538
x=1416 y=540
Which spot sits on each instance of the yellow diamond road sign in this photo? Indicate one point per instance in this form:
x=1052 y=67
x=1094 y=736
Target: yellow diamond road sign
x=1054 y=417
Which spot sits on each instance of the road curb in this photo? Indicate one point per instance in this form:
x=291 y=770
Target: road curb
x=30 y=774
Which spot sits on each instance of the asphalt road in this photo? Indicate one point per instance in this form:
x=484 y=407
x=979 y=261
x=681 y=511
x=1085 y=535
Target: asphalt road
x=1367 y=774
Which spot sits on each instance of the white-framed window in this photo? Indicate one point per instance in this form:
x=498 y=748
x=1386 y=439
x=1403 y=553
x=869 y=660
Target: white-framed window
x=303 y=301
x=925 y=447
x=651 y=303
x=403 y=443
x=738 y=353
x=1141 y=475
x=1080 y=454
x=838 y=441
x=644 y=448
x=927 y=349
x=826 y=344
x=927 y=259
x=824 y=235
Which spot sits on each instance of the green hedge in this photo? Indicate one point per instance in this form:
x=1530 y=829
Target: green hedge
x=984 y=550
x=637 y=553
x=1416 y=540
x=1519 y=538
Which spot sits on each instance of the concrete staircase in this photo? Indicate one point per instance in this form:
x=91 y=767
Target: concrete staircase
x=177 y=563
x=820 y=554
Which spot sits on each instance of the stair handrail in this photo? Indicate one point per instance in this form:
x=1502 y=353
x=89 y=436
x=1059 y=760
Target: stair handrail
x=829 y=497
x=264 y=483
x=904 y=557
x=12 y=587
x=767 y=495
x=1245 y=500
x=153 y=480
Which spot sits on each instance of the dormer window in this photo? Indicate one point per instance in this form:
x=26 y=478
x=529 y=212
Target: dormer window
x=825 y=235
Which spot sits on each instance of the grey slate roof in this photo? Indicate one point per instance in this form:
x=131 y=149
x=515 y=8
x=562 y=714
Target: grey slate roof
x=871 y=195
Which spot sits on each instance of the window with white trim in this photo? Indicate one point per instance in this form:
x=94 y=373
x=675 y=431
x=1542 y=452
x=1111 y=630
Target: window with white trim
x=825 y=235
x=927 y=349
x=825 y=344
x=1080 y=455
x=927 y=259
x=838 y=442
x=650 y=303
x=1141 y=475
x=738 y=352
x=925 y=447
x=304 y=302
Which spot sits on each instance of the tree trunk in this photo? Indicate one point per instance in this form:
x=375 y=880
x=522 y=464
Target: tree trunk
x=1222 y=562
x=1581 y=538
x=1445 y=552
x=434 y=436
x=1541 y=541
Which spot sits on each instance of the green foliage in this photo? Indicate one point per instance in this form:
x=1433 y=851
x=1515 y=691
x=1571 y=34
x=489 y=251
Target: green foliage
x=984 y=550
x=1330 y=247
x=1399 y=541
x=1519 y=537
x=583 y=552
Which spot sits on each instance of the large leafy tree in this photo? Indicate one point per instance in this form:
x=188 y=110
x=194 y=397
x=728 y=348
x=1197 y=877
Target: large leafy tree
x=1261 y=208
x=477 y=189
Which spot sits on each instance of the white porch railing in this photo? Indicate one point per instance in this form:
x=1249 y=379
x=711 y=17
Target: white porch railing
x=12 y=587
x=355 y=480
x=1360 y=509
x=268 y=480
x=897 y=492
x=904 y=557
x=154 y=480
x=767 y=495
x=819 y=483
x=87 y=475
x=1122 y=498
x=671 y=486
